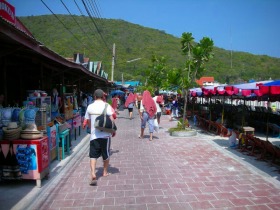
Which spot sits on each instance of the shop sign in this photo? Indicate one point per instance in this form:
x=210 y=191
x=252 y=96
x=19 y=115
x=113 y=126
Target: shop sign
x=7 y=11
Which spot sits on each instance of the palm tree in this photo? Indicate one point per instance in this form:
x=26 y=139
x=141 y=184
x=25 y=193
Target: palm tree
x=202 y=52
x=197 y=56
x=187 y=46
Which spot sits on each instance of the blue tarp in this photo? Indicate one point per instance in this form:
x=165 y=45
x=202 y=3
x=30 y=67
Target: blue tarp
x=274 y=83
x=251 y=85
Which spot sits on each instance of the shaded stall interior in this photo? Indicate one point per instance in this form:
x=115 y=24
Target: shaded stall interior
x=26 y=64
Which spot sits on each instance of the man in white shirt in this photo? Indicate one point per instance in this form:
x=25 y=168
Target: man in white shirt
x=99 y=140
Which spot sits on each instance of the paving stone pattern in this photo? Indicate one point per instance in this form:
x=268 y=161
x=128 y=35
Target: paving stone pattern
x=167 y=173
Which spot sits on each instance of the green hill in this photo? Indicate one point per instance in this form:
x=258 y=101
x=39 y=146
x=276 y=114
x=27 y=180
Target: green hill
x=94 y=38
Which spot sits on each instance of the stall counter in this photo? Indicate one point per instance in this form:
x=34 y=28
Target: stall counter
x=32 y=155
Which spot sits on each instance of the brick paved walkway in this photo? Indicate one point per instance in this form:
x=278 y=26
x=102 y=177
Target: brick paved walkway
x=166 y=174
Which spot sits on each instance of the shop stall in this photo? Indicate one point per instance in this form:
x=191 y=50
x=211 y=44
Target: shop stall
x=32 y=159
x=36 y=67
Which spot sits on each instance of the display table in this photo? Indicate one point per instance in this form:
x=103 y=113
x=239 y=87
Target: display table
x=75 y=126
x=32 y=156
x=64 y=138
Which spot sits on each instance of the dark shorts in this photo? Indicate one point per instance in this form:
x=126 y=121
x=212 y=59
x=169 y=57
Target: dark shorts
x=100 y=147
x=130 y=109
x=158 y=114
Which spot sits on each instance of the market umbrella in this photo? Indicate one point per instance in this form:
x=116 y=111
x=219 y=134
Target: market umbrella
x=117 y=92
x=272 y=89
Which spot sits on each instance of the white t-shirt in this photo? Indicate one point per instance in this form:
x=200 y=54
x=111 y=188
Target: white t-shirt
x=94 y=110
x=157 y=104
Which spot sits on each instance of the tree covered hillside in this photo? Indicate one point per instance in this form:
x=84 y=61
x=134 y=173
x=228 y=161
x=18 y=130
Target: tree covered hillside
x=94 y=38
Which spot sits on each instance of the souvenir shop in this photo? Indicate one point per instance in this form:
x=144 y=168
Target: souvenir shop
x=39 y=98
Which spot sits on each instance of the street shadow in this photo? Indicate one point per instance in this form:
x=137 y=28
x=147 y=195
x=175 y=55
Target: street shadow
x=111 y=170
x=124 y=117
x=265 y=166
x=113 y=151
x=7 y=190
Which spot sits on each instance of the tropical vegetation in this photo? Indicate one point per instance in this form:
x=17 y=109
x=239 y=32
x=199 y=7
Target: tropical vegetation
x=156 y=49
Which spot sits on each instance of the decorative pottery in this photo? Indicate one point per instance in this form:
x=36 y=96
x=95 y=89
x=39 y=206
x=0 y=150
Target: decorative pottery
x=6 y=116
x=36 y=94
x=7 y=113
x=15 y=114
x=30 y=115
x=21 y=116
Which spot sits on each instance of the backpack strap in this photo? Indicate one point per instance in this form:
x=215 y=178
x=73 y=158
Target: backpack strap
x=105 y=109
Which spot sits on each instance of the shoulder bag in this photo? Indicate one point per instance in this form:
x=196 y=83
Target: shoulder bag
x=104 y=123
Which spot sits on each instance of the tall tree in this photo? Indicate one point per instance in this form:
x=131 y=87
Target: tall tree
x=157 y=73
x=187 y=46
x=197 y=55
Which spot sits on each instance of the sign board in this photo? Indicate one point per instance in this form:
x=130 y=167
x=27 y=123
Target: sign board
x=7 y=11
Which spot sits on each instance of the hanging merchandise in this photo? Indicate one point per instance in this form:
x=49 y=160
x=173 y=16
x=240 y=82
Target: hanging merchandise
x=26 y=156
x=68 y=108
x=2 y=161
x=11 y=168
x=43 y=114
x=29 y=115
x=15 y=114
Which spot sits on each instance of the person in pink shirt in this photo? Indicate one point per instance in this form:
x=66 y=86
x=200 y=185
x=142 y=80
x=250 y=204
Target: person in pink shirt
x=148 y=111
x=115 y=102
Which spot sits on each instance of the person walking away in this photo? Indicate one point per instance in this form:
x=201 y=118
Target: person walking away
x=84 y=104
x=115 y=103
x=138 y=101
x=174 y=107
x=129 y=103
x=89 y=99
x=99 y=140
x=56 y=103
x=148 y=111
x=159 y=103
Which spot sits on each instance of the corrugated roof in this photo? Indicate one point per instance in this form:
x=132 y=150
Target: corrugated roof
x=132 y=83
x=204 y=79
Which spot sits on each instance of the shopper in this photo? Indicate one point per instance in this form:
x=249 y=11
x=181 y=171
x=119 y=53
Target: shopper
x=175 y=107
x=115 y=103
x=159 y=103
x=147 y=114
x=129 y=103
x=89 y=99
x=84 y=104
x=138 y=101
x=99 y=140
x=56 y=103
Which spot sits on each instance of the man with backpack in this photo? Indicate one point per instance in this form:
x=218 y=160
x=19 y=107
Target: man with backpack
x=99 y=140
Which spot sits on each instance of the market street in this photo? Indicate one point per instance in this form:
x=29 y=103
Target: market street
x=198 y=172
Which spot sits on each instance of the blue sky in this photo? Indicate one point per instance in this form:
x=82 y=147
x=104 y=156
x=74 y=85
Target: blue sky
x=239 y=25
